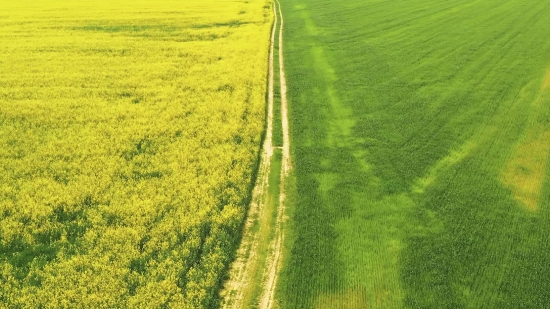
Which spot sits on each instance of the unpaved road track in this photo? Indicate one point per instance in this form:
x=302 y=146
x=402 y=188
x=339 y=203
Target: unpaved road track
x=284 y=105
x=243 y=269
x=268 y=295
x=241 y=284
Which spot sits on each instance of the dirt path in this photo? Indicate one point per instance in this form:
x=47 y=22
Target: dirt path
x=268 y=297
x=239 y=290
x=241 y=273
x=284 y=107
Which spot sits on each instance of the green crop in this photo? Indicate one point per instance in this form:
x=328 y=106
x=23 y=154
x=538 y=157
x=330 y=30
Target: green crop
x=421 y=134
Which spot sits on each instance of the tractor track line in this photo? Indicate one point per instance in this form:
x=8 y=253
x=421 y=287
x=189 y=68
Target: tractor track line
x=268 y=297
x=245 y=265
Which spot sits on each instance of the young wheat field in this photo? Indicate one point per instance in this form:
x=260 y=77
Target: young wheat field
x=420 y=135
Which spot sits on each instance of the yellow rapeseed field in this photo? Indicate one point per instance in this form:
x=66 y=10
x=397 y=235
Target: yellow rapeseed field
x=129 y=135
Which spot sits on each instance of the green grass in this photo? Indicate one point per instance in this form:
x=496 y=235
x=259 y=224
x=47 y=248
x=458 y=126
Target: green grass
x=420 y=142
x=277 y=124
x=265 y=229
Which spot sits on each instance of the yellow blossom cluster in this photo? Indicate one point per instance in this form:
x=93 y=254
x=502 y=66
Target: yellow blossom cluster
x=129 y=136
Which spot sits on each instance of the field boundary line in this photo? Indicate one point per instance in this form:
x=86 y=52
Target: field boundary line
x=243 y=268
x=268 y=298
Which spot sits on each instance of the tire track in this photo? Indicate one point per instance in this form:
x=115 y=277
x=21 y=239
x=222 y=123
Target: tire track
x=268 y=296
x=240 y=286
x=241 y=273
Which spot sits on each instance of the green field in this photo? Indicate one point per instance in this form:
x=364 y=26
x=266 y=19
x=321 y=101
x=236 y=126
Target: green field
x=420 y=134
x=131 y=153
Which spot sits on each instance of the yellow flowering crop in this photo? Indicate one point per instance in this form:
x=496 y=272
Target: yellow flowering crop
x=129 y=133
